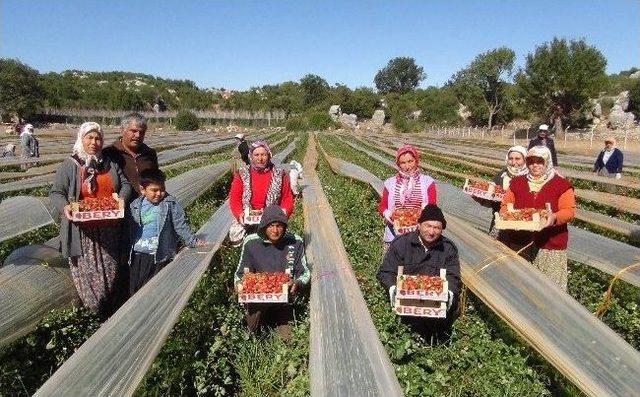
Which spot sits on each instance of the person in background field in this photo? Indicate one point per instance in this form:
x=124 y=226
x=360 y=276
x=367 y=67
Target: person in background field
x=609 y=160
x=408 y=188
x=544 y=140
x=243 y=148
x=156 y=222
x=516 y=165
x=130 y=152
x=425 y=252
x=9 y=150
x=29 y=145
x=255 y=187
x=548 y=250
x=294 y=173
x=93 y=248
x=273 y=250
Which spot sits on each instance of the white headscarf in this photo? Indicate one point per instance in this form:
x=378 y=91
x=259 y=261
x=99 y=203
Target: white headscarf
x=543 y=152
x=516 y=171
x=27 y=129
x=91 y=162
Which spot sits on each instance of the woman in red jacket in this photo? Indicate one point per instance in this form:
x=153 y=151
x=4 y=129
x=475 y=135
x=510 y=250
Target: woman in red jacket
x=256 y=186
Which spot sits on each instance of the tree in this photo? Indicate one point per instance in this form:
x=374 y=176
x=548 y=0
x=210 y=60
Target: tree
x=481 y=85
x=439 y=106
x=20 y=91
x=559 y=78
x=400 y=75
x=314 y=88
x=362 y=102
x=186 y=121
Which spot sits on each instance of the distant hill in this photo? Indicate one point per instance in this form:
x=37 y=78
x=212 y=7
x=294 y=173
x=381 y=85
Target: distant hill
x=122 y=90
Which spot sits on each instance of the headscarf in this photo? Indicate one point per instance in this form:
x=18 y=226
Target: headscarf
x=515 y=171
x=27 y=129
x=406 y=180
x=543 y=152
x=90 y=164
x=260 y=144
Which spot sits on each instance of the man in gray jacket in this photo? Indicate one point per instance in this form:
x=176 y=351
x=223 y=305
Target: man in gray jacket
x=273 y=249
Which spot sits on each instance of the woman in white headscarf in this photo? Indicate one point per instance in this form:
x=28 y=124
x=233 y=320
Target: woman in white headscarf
x=93 y=247
x=542 y=185
x=29 y=145
x=515 y=165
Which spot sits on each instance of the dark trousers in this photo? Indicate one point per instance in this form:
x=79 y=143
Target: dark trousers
x=143 y=268
x=435 y=331
x=268 y=315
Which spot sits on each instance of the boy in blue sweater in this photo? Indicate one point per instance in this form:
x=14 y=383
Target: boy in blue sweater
x=157 y=221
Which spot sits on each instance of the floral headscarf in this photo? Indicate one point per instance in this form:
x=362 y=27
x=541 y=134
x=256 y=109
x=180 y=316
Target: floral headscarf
x=260 y=144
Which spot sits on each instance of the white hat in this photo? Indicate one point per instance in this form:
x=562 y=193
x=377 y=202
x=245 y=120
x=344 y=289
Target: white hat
x=543 y=127
x=239 y=136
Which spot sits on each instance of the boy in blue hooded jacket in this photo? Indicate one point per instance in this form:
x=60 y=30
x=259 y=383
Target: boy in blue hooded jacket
x=157 y=221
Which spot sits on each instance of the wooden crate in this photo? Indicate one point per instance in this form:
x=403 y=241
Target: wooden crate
x=86 y=216
x=265 y=297
x=534 y=225
x=399 y=229
x=252 y=217
x=489 y=194
x=421 y=303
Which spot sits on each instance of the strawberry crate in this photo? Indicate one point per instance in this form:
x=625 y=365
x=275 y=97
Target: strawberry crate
x=265 y=287
x=252 y=217
x=405 y=220
x=485 y=190
x=420 y=296
x=93 y=209
x=529 y=219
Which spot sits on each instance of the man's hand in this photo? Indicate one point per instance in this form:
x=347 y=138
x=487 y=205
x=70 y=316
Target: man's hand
x=618 y=175
x=293 y=288
x=450 y=300
x=239 y=288
x=392 y=295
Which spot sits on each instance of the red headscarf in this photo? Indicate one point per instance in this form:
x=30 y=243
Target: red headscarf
x=407 y=149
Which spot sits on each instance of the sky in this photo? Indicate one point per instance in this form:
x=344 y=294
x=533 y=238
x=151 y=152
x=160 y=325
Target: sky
x=240 y=44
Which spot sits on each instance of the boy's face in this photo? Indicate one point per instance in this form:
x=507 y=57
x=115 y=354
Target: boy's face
x=274 y=231
x=154 y=192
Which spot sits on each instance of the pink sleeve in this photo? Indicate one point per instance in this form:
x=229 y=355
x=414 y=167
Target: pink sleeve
x=431 y=193
x=382 y=207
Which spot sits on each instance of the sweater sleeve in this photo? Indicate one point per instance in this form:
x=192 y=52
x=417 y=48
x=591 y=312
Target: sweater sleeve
x=566 y=207
x=59 y=192
x=388 y=271
x=300 y=269
x=382 y=207
x=245 y=261
x=620 y=160
x=431 y=193
x=596 y=165
x=235 y=196
x=286 y=195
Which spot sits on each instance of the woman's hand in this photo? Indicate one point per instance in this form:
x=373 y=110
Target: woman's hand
x=239 y=288
x=67 y=212
x=387 y=216
x=551 y=219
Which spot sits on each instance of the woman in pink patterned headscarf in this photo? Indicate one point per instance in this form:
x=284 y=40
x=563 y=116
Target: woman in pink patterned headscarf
x=407 y=189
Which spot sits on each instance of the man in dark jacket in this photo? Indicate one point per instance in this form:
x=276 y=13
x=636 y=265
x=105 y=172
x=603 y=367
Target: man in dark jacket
x=273 y=249
x=130 y=152
x=544 y=140
x=243 y=148
x=425 y=251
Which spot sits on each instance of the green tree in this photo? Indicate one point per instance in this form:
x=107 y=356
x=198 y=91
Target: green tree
x=314 y=88
x=439 y=106
x=20 y=91
x=481 y=85
x=559 y=78
x=400 y=75
x=362 y=102
x=186 y=121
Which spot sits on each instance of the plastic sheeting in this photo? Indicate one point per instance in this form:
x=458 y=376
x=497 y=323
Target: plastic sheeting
x=579 y=345
x=22 y=214
x=607 y=255
x=35 y=281
x=346 y=357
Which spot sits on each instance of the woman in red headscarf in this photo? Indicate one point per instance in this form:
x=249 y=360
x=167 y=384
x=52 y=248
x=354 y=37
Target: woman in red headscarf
x=256 y=186
x=407 y=189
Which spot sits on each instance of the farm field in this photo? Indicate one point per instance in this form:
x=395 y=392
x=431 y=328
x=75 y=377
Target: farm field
x=346 y=338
